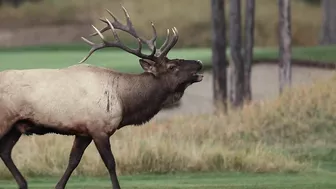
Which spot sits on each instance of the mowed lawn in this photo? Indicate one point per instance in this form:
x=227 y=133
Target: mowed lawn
x=194 y=181
x=63 y=56
x=116 y=59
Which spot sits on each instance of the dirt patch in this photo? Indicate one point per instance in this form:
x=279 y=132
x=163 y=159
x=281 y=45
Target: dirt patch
x=265 y=85
x=301 y=63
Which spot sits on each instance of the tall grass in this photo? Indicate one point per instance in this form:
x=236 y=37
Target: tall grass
x=192 y=19
x=270 y=136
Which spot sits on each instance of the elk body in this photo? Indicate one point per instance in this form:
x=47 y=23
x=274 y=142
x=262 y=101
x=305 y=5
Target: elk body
x=91 y=102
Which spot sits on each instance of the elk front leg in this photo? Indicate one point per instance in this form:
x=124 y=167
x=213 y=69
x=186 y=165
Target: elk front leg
x=77 y=151
x=7 y=143
x=103 y=145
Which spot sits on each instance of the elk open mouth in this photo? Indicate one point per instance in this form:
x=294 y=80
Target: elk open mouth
x=198 y=77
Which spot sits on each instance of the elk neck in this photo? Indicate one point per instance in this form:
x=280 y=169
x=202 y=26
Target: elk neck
x=142 y=96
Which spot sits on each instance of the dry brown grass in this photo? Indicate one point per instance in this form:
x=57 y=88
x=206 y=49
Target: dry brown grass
x=192 y=19
x=272 y=136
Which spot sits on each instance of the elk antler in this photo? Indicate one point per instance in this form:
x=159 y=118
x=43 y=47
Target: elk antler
x=155 y=54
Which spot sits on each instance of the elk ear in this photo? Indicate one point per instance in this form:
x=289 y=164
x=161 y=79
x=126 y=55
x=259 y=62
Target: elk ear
x=148 y=66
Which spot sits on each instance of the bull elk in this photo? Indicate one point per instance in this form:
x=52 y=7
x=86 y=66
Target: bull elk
x=91 y=102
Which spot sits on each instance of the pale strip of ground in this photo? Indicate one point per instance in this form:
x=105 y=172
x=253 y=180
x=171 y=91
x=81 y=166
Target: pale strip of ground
x=264 y=81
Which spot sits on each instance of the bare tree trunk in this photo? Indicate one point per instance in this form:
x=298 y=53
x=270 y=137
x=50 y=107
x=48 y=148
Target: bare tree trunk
x=248 y=49
x=328 y=32
x=285 y=69
x=237 y=69
x=219 y=55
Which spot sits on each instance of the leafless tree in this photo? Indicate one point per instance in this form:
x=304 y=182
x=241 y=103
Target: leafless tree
x=328 y=32
x=285 y=69
x=219 y=54
x=237 y=67
x=248 y=48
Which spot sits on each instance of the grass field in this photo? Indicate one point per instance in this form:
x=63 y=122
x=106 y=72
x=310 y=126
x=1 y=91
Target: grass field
x=114 y=59
x=194 y=181
x=62 y=56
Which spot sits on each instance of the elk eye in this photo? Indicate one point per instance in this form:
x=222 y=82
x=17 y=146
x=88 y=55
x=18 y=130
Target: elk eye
x=171 y=66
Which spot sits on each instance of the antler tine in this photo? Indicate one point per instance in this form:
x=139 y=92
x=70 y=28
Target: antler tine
x=114 y=17
x=152 y=42
x=116 y=23
x=129 y=29
x=176 y=37
x=167 y=46
x=117 y=43
x=92 y=50
x=102 y=30
x=164 y=43
x=94 y=46
x=136 y=52
x=128 y=19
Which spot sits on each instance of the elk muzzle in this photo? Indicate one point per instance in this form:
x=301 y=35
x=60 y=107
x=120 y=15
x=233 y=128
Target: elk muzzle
x=197 y=75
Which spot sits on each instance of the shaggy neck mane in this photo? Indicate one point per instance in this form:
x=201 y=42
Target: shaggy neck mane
x=140 y=107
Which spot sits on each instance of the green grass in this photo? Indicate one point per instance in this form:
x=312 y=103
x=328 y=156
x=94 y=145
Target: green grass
x=115 y=59
x=194 y=181
x=62 y=56
x=318 y=53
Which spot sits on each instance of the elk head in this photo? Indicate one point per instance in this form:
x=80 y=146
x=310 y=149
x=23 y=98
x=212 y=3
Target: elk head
x=179 y=73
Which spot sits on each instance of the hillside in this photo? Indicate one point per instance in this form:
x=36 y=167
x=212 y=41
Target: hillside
x=62 y=21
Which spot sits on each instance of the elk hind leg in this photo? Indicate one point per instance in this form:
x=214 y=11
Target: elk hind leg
x=103 y=145
x=78 y=148
x=7 y=143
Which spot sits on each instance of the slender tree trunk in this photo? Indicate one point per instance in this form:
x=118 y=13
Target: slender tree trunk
x=237 y=69
x=248 y=49
x=328 y=32
x=219 y=55
x=285 y=69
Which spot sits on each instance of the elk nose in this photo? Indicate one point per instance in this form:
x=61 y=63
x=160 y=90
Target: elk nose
x=200 y=65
